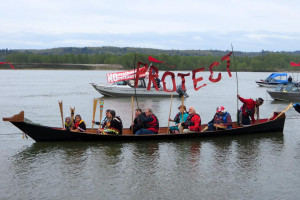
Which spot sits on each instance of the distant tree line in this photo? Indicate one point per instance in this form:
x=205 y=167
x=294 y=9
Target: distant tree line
x=182 y=59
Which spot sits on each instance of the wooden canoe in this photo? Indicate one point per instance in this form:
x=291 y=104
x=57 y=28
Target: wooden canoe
x=41 y=133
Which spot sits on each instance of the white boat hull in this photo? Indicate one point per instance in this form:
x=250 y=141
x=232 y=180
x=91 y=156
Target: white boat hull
x=125 y=91
x=266 y=84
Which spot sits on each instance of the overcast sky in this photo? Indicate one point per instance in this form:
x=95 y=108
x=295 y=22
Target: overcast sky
x=252 y=25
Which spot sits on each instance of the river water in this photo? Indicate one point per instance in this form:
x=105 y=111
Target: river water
x=262 y=166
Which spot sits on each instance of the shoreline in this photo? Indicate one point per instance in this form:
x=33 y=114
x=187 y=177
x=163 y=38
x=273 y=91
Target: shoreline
x=59 y=66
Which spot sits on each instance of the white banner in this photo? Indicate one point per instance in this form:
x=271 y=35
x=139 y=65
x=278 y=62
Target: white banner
x=122 y=76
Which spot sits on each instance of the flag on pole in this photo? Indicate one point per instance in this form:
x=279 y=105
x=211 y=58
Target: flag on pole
x=295 y=64
x=151 y=59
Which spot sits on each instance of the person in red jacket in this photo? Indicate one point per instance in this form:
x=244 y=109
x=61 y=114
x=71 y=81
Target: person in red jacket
x=192 y=124
x=150 y=121
x=247 y=110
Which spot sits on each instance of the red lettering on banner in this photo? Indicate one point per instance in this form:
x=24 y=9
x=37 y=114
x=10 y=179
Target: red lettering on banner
x=152 y=77
x=7 y=63
x=196 y=80
x=214 y=80
x=183 y=79
x=139 y=72
x=167 y=73
x=227 y=57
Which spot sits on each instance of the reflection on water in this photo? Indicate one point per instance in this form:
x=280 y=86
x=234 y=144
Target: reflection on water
x=260 y=166
x=141 y=169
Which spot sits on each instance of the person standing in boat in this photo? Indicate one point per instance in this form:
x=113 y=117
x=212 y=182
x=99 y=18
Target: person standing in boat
x=79 y=124
x=222 y=119
x=151 y=123
x=192 y=124
x=248 y=109
x=180 y=117
x=115 y=125
x=105 y=121
x=137 y=124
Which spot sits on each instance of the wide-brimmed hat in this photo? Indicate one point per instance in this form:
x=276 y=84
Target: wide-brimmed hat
x=182 y=106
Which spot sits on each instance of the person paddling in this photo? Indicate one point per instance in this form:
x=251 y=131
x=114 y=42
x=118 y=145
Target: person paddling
x=180 y=117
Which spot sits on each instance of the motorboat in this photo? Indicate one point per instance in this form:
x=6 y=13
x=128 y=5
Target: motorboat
x=289 y=92
x=126 y=88
x=274 y=80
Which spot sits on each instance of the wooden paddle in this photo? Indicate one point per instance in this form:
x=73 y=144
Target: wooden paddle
x=60 y=103
x=72 y=114
x=101 y=109
x=170 y=113
x=286 y=109
x=94 y=110
x=205 y=128
x=220 y=126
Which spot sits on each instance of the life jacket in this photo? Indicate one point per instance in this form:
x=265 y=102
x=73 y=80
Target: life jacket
x=153 y=125
x=68 y=125
x=178 y=117
x=77 y=123
x=225 y=118
x=190 y=123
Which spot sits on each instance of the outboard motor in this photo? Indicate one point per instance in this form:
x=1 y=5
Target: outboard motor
x=180 y=91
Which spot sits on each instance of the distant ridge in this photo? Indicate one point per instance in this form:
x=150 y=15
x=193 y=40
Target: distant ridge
x=126 y=50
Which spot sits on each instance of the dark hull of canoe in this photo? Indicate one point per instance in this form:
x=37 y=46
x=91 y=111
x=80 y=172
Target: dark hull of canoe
x=48 y=134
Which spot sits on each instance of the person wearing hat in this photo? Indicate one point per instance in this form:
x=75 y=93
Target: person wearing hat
x=221 y=120
x=248 y=110
x=180 y=117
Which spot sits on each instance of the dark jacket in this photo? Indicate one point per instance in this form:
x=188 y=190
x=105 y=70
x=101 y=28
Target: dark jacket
x=115 y=126
x=137 y=125
x=81 y=126
x=151 y=122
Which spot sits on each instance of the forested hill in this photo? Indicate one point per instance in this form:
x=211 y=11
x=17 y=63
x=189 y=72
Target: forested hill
x=182 y=59
x=122 y=51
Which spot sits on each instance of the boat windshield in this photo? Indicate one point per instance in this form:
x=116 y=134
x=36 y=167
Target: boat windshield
x=279 y=87
x=120 y=83
x=291 y=88
x=141 y=83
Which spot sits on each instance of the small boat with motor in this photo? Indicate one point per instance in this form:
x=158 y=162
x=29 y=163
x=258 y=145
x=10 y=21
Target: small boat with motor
x=126 y=89
x=275 y=79
x=289 y=92
x=41 y=133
